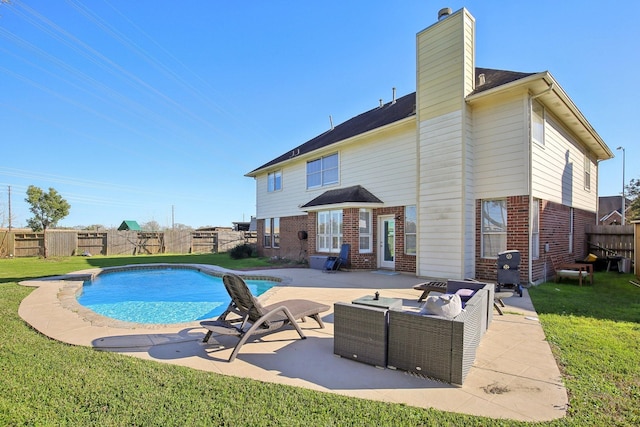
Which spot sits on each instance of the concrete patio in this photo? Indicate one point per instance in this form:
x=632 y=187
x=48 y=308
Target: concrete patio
x=514 y=375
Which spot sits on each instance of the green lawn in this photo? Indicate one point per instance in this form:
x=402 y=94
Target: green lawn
x=594 y=332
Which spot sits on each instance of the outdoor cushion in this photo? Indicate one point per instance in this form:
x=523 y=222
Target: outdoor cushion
x=447 y=305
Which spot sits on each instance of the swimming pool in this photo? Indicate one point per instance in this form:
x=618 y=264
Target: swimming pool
x=162 y=295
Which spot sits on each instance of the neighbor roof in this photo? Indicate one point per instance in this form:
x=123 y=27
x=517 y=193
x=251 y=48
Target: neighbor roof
x=129 y=225
x=386 y=114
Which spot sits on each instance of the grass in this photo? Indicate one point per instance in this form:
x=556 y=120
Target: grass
x=594 y=332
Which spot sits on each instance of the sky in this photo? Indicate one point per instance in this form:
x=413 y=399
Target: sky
x=155 y=110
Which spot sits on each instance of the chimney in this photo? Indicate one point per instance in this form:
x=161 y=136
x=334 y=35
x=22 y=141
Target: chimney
x=481 y=79
x=443 y=13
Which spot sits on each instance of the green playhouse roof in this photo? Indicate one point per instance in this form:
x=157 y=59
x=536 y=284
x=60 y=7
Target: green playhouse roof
x=129 y=225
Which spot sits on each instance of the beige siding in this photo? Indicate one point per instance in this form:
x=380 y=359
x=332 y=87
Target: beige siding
x=501 y=147
x=383 y=162
x=445 y=65
x=446 y=198
x=558 y=169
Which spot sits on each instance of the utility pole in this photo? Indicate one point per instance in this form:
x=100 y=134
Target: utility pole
x=9 y=209
x=623 y=184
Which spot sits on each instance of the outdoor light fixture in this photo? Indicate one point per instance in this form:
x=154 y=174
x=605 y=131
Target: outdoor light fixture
x=623 y=198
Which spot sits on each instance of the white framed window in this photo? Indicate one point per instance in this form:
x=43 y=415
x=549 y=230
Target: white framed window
x=535 y=229
x=537 y=122
x=276 y=233
x=272 y=233
x=322 y=171
x=587 y=173
x=274 y=181
x=267 y=233
x=365 y=231
x=329 y=234
x=571 y=215
x=410 y=230
x=494 y=227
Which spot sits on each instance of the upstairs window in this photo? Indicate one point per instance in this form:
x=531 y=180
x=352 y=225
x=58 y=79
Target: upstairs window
x=587 y=173
x=322 y=171
x=537 y=123
x=274 y=181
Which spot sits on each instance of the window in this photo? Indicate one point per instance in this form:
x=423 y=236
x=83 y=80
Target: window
x=322 y=171
x=410 y=230
x=274 y=181
x=587 y=173
x=276 y=233
x=366 y=230
x=329 y=237
x=494 y=227
x=537 y=122
x=267 y=232
x=571 y=230
x=272 y=232
x=535 y=229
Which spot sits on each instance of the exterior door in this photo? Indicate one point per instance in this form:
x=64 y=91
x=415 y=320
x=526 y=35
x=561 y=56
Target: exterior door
x=387 y=242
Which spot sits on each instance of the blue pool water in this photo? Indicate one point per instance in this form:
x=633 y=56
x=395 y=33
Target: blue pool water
x=159 y=296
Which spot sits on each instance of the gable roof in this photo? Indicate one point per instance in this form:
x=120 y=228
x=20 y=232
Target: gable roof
x=357 y=195
x=386 y=114
x=129 y=225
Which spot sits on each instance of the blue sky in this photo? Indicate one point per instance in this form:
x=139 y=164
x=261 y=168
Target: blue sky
x=140 y=109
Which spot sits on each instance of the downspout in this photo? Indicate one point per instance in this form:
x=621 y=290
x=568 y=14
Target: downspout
x=530 y=183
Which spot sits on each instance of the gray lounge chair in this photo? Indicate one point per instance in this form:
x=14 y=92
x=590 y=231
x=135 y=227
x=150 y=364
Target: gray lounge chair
x=254 y=318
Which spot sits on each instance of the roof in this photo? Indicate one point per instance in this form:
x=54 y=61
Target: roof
x=609 y=204
x=129 y=225
x=386 y=114
x=494 y=78
x=348 y=195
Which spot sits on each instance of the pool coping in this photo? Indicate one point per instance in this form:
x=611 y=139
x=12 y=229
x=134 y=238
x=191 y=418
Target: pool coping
x=73 y=283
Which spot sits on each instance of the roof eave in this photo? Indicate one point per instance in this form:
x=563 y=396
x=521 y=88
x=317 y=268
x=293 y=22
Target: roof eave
x=557 y=100
x=345 y=205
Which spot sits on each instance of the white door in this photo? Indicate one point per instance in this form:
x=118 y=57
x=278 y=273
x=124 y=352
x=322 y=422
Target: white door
x=386 y=242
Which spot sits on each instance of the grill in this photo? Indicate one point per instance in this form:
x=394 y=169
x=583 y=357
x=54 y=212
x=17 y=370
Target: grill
x=509 y=271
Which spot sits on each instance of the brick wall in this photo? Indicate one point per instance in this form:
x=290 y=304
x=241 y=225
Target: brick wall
x=292 y=248
x=554 y=229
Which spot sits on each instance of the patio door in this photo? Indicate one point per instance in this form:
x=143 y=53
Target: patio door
x=386 y=242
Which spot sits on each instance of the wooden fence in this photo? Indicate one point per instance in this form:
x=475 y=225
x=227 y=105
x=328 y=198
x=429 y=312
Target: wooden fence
x=26 y=243
x=611 y=240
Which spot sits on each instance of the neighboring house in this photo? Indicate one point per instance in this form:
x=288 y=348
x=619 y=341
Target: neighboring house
x=438 y=182
x=610 y=210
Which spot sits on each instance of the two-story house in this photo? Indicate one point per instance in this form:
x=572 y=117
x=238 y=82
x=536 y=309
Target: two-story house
x=438 y=182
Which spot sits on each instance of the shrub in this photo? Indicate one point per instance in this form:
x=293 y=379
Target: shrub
x=241 y=251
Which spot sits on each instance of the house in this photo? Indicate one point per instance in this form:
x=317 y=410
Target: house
x=610 y=209
x=438 y=182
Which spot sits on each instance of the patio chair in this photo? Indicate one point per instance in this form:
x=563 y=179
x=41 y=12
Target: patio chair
x=254 y=318
x=333 y=263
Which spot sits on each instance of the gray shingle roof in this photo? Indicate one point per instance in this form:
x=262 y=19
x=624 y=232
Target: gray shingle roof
x=390 y=112
x=356 y=194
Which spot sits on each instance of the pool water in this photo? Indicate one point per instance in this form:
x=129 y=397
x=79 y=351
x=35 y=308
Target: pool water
x=160 y=296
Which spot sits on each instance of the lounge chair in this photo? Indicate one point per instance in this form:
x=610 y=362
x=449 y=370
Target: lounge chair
x=254 y=318
x=333 y=263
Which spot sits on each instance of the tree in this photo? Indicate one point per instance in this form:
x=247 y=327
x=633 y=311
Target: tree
x=633 y=193
x=47 y=209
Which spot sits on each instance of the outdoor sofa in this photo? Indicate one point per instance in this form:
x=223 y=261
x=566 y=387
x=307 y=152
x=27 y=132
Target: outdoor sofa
x=437 y=347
